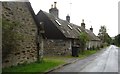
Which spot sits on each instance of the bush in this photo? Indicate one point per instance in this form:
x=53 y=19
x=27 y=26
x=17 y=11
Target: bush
x=101 y=46
x=98 y=47
x=93 y=48
x=83 y=39
x=88 y=48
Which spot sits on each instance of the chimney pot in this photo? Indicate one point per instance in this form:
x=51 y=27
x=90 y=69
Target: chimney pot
x=82 y=20
x=91 y=29
x=68 y=18
x=83 y=24
x=52 y=6
x=55 y=4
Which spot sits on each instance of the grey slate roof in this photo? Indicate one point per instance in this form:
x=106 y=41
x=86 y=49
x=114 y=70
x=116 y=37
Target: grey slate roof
x=91 y=35
x=39 y=27
x=69 y=30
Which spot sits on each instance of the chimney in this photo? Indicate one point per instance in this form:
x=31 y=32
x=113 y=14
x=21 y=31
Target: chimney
x=91 y=29
x=54 y=11
x=55 y=4
x=83 y=24
x=68 y=18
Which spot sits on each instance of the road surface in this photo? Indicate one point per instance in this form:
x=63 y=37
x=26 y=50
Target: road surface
x=104 y=61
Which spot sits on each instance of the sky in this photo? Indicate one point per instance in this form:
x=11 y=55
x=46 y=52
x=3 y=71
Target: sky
x=95 y=13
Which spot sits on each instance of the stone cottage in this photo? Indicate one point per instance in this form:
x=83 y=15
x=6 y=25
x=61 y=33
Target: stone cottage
x=60 y=34
x=94 y=40
x=20 y=34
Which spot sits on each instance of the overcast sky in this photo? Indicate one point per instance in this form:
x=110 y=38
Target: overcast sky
x=94 y=12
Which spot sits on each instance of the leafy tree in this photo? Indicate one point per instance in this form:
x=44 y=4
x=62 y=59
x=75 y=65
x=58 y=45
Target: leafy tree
x=83 y=38
x=108 y=38
x=103 y=35
x=102 y=32
x=116 y=40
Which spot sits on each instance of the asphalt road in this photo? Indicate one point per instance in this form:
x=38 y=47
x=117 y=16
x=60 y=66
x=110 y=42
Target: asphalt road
x=104 y=61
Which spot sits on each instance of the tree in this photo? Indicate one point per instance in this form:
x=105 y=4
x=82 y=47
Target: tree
x=103 y=35
x=116 y=40
x=108 y=39
x=83 y=38
x=102 y=32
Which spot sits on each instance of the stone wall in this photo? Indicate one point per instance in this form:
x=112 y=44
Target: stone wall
x=24 y=30
x=57 y=47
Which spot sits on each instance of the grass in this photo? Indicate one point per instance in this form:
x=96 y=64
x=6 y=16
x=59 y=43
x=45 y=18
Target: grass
x=59 y=57
x=47 y=64
x=35 y=67
x=87 y=53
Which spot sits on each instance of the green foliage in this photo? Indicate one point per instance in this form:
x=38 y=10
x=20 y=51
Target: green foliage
x=98 y=48
x=9 y=37
x=103 y=35
x=116 y=40
x=83 y=38
x=87 y=53
x=93 y=48
x=35 y=67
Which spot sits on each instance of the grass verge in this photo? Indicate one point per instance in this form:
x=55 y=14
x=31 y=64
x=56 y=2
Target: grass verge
x=87 y=53
x=43 y=66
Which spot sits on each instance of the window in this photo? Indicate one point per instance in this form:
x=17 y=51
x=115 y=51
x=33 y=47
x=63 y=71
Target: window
x=68 y=32
x=70 y=27
x=63 y=31
x=41 y=23
x=57 y=22
x=79 y=29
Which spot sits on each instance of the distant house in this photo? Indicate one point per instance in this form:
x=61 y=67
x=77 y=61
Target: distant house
x=94 y=40
x=61 y=34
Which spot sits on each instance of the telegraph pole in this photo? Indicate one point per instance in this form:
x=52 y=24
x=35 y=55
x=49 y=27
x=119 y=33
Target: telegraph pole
x=70 y=8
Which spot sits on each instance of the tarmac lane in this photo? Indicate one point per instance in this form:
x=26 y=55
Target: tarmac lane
x=106 y=61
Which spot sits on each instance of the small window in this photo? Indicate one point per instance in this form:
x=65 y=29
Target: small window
x=79 y=29
x=57 y=22
x=68 y=32
x=70 y=27
x=41 y=22
x=63 y=31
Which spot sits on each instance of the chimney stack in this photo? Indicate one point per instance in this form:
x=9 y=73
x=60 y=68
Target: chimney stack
x=68 y=18
x=91 y=29
x=54 y=11
x=83 y=24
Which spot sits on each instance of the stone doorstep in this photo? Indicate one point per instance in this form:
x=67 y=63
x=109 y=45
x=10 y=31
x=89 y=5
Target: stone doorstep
x=61 y=66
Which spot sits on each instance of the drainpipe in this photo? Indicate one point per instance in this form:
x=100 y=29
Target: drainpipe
x=40 y=42
x=38 y=45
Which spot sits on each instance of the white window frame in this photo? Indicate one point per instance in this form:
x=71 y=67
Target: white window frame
x=79 y=29
x=70 y=27
x=58 y=22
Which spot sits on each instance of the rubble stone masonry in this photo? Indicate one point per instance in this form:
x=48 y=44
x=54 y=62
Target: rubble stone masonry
x=24 y=30
x=57 y=47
